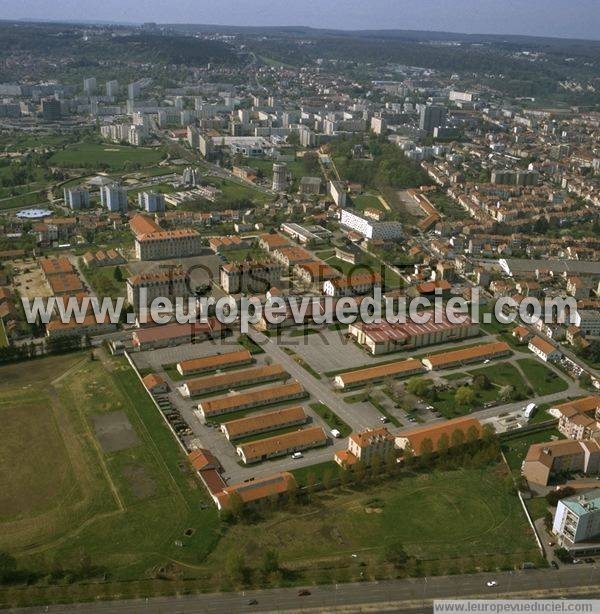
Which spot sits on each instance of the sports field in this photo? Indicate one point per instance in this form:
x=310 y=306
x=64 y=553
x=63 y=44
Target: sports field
x=84 y=476
x=105 y=155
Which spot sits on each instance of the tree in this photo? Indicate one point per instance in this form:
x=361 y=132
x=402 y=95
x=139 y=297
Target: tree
x=8 y=566
x=585 y=380
x=118 y=274
x=311 y=482
x=419 y=386
x=408 y=455
x=395 y=554
x=457 y=438
x=390 y=462
x=507 y=393
x=426 y=450
x=236 y=505
x=270 y=562
x=562 y=554
x=236 y=566
x=472 y=434
x=554 y=496
x=443 y=444
x=465 y=396
x=481 y=382
x=376 y=467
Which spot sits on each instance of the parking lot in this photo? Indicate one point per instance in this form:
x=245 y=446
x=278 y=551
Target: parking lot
x=28 y=279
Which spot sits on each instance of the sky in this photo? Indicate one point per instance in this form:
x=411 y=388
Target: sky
x=560 y=18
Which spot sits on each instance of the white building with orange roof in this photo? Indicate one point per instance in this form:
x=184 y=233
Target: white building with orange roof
x=544 y=349
x=365 y=446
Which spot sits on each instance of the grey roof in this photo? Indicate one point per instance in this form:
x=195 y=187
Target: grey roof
x=515 y=266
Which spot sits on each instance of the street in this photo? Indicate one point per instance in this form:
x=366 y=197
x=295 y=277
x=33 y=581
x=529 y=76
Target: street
x=413 y=594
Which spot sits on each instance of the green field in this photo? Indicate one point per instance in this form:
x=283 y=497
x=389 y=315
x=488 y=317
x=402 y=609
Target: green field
x=500 y=374
x=25 y=200
x=464 y=518
x=68 y=496
x=103 y=280
x=543 y=380
x=106 y=155
x=233 y=191
x=367 y=201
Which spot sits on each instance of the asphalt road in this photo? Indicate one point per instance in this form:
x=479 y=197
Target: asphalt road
x=414 y=594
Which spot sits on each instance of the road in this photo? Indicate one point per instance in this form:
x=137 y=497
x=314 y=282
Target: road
x=415 y=594
x=320 y=390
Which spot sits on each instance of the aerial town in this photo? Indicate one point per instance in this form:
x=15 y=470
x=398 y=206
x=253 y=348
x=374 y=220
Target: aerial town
x=142 y=459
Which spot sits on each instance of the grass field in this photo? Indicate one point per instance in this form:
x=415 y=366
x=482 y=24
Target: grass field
x=543 y=380
x=114 y=157
x=25 y=200
x=103 y=281
x=444 y=517
x=233 y=191
x=67 y=494
x=367 y=201
x=500 y=374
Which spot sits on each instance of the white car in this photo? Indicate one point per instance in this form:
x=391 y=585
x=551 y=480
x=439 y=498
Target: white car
x=491 y=583
x=296 y=455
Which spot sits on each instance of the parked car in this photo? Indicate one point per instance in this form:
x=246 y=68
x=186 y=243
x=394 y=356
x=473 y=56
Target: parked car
x=491 y=583
x=303 y=592
x=297 y=455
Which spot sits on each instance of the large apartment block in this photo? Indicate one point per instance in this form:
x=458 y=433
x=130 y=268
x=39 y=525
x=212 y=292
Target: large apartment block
x=577 y=521
x=371 y=229
x=253 y=277
x=546 y=460
x=579 y=419
x=154 y=243
x=169 y=284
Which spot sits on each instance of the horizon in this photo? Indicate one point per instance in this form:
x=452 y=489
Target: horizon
x=538 y=18
x=107 y=22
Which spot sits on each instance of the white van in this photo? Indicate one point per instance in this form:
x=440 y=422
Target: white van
x=297 y=455
x=335 y=433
